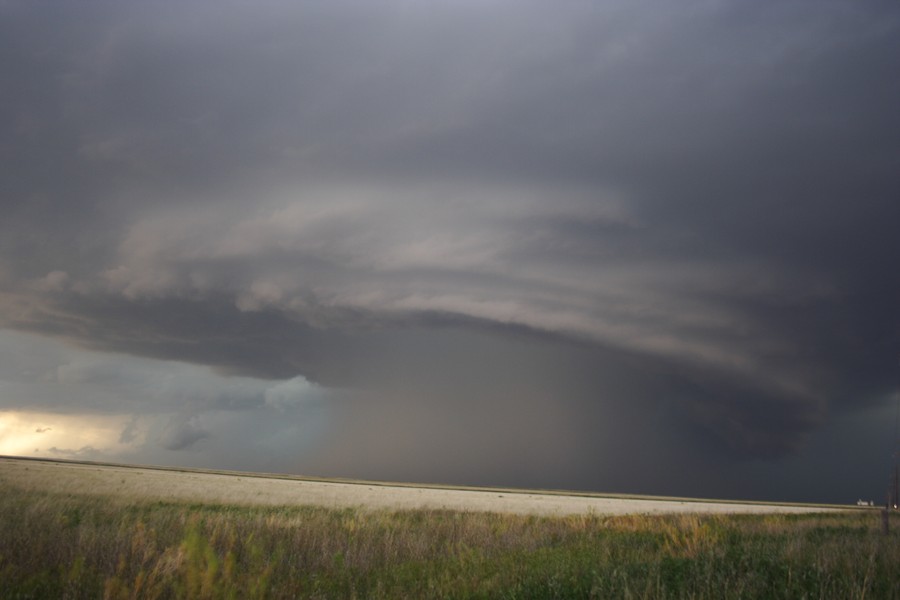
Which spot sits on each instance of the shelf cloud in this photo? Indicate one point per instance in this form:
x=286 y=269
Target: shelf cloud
x=497 y=240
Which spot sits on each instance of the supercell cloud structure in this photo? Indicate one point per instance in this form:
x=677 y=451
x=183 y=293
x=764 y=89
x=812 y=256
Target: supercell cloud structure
x=496 y=242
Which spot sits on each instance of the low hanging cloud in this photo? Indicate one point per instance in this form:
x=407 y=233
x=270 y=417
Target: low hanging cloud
x=695 y=205
x=290 y=394
x=64 y=402
x=183 y=433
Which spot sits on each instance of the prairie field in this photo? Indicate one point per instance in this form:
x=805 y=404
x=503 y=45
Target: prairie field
x=205 y=486
x=100 y=543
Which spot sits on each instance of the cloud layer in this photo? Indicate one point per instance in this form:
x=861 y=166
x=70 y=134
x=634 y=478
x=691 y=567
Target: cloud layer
x=688 y=207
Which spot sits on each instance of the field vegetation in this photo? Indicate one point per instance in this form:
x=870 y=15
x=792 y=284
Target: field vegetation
x=55 y=545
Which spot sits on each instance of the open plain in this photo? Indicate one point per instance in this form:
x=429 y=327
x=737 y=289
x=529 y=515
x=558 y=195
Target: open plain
x=152 y=483
x=88 y=530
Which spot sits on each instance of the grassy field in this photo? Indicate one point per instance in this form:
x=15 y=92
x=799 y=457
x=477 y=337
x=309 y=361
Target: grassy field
x=55 y=545
x=228 y=487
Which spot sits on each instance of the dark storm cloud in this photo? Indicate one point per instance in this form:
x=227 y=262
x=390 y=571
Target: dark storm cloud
x=703 y=196
x=183 y=432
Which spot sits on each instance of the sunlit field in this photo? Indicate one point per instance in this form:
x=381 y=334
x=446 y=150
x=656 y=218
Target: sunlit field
x=106 y=545
x=234 y=488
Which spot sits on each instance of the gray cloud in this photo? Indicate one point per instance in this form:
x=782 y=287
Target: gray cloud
x=693 y=203
x=84 y=453
x=129 y=432
x=183 y=432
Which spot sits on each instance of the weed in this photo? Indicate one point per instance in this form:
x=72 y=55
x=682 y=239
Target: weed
x=58 y=545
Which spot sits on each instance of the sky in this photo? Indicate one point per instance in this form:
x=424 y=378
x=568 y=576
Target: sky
x=627 y=246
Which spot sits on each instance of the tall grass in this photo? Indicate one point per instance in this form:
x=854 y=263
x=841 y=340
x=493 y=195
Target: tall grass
x=66 y=546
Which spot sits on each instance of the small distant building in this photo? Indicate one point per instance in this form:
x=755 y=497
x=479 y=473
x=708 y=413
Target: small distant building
x=864 y=503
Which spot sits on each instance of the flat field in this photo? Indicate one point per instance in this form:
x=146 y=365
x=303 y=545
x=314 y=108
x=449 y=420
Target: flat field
x=273 y=490
x=92 y=531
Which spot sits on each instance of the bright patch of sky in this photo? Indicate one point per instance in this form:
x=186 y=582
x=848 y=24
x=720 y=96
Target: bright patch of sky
x=61 y=402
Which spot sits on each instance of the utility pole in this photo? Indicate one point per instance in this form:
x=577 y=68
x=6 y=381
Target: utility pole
x=894 y=490
x=895 y=487
x=892 y=499
x=893 y=493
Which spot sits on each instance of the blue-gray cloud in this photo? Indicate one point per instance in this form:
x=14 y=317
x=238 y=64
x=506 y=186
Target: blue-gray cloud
x=701 y=196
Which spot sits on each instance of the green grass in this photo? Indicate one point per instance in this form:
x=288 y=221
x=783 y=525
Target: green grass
x=67 y=546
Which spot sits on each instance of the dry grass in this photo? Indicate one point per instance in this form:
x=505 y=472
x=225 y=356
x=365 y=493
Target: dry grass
x=200 y=486
x=56 y=545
